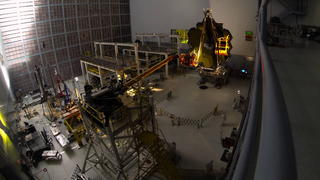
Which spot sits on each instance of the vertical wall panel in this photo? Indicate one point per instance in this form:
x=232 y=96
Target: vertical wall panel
x=67 y=28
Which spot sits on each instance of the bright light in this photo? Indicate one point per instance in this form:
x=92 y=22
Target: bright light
x=76 y=79
x=238 y=91
x=5 y=75
x=3 y=121
x=157 y=89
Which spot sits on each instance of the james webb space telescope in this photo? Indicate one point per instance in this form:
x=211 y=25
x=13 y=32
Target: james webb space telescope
x=209 y=50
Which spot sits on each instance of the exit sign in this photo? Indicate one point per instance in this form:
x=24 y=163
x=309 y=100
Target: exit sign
x=248 y=35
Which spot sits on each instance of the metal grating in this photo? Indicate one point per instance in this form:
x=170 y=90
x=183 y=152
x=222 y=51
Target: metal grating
x=14 y=51
x=69 y=11
x=96 y=35
x=71 y=25
x=73 y=38
x=18 y=67
x=56 y=12
x=49 y=58
x=59 y=41
x=57 y=27
x=42 y=13
x=82 y=10
x=83 y=23
x=74 y=52
x=31 y=47
x=43 y=29
x=65 y=70
x=33 y=61
x=62 y=55
x=85 y=37
x=22 y=82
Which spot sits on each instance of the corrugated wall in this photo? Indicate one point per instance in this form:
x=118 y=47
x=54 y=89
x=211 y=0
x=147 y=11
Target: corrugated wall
x=67 y=27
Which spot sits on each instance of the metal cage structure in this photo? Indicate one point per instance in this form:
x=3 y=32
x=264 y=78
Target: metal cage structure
x=120 y=144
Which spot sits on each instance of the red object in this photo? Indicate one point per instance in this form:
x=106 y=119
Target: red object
x=187 y=59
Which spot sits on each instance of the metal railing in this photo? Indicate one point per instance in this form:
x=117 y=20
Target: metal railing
x=275 y=158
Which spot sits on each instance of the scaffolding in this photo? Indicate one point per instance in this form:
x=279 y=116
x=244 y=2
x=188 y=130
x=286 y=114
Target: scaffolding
x=156 y=47
x=120 y=146
x=108 y=63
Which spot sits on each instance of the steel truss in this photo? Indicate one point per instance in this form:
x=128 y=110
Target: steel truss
x=113 y=148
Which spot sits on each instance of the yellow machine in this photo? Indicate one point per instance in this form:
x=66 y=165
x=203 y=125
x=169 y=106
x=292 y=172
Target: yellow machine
x=210 y=46
x=75 y=125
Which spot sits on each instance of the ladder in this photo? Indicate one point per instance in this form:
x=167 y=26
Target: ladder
x=156 y=148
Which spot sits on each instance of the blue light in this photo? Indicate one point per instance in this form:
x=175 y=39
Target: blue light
x=243 y=70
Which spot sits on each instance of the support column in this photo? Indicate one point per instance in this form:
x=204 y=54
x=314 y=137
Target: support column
x=142 y=40
x=95 y=48
x=116 y=51
x=88 y=80
x=153 y=115
x=159 y=41
x=167 y=66
x=83 y=72
x=138 y=63
x=100 y=75
x=101 y=50
x=147 y=60
x=114 y=148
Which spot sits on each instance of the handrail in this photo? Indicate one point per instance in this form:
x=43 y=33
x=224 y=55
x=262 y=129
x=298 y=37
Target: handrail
x=276 y=157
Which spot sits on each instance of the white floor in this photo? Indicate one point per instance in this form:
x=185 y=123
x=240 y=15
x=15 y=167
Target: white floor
x=196 y=146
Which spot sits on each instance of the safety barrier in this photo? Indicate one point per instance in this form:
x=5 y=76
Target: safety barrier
x=167 y=96
x=187 y=121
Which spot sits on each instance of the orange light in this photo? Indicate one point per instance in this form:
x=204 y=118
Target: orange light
x=223 y=46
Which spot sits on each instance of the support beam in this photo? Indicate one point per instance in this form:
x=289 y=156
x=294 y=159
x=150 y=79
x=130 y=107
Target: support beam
x=167 y=67
x=101 y=50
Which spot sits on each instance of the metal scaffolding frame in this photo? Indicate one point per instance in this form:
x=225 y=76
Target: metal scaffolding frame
x=113 y=148
x=158 y=59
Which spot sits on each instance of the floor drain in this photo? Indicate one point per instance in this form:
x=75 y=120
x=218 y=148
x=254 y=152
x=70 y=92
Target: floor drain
x=203 y=87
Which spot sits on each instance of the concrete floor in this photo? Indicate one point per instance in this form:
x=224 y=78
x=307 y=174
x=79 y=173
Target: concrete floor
x=297 y=67
x=196 y=146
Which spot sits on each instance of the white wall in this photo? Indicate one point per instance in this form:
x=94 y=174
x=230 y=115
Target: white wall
x=155 y=16
x=313 y=17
